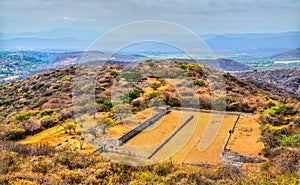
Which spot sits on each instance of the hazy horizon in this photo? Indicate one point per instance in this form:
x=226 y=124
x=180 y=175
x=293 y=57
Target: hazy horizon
x=206 y=17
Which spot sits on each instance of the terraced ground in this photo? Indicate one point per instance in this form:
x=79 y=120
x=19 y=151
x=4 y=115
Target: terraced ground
x=185 y=145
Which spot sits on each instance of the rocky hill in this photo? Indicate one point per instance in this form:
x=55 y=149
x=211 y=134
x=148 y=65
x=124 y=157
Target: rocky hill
x=279 y=81
x=42 y=105
x=53 y=90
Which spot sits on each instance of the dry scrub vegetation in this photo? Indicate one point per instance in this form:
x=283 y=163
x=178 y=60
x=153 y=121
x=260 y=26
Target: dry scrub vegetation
x=40 y=103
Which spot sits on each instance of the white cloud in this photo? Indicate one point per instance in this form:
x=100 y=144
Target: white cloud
x=72 y=19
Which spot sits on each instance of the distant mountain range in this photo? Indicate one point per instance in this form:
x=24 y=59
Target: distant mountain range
x=289 y=55
x=68 y=39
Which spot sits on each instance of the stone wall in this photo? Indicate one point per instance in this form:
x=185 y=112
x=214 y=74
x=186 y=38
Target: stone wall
x=170 y=137
x=141 y=127
x=211 y=111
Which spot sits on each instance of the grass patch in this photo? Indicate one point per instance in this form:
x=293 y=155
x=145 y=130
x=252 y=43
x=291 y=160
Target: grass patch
x=3 y=102
x=45 y=113
x=64 y=78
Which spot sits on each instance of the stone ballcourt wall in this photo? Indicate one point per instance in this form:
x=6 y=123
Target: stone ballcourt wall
x=231 y=132
x=170 y=137
x=141 y=127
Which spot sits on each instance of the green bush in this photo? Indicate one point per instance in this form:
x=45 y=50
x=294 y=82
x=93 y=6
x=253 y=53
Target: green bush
x=282 y=109
x=70 y=127
x=131 y=76
x=292 y=141
x=45 y=113
x=128 y=97
x=114 y=73
x=26 y=94
x=64 y=78
x=199 y=82
x=5 y=114
x=3 y=102
x=118 y=78
x=104 y=102
x=24 y=115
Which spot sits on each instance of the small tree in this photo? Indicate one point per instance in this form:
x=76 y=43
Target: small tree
x=93 y=131
x=70 y=127
x=31 y=126
x=81 y=142
x=121 y=111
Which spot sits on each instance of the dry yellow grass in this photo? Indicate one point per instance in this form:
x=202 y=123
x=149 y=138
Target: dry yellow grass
x=245 y=139
x=212 y=154
x=184 y=146
x=55 y=135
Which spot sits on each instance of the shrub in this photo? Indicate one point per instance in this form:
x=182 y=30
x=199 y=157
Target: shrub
x=24 y=115
x=64 y=78
x=128 y=97
x=31 y=126
x=154 y=95
x=131 y=76
x=45 y=113
x=72 y=177
x=293 y=141
x=14 y=134
x=26 y=94
x=265 y=166
x=74 y=160
x=5 y=114
x=118 y=78
x=155 y=86
x=282 y=109
x=199 y=82
x=3 y=102
x=8 y=162
x=163 y=169
x=114 y=73
x=42 y=166
x=284 y=160
x=32 y=149
x=174 y=101
x=48 y=121
x=70 y=127
x=104 y=102
x=224 y=172
x=133 y=95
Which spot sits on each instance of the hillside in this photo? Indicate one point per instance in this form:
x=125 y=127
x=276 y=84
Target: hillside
x=284 y=80
x=54 y=89
x=222 y=64
x=289 y=55
x=39 y=111
x=17 y=65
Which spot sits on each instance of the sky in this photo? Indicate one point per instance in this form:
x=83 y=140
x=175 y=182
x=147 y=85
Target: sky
x=202 y=17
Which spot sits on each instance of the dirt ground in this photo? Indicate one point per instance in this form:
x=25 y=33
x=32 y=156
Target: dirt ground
x=212 y=154
x=56 y=135
x=190 y=148
x=185 y=145
x=245 y=139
